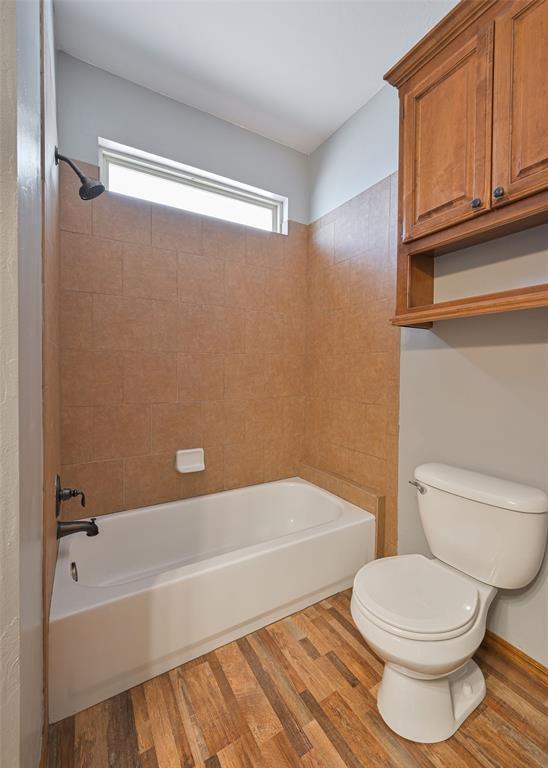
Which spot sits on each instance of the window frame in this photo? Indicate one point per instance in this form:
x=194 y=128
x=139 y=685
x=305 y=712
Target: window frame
x=111 y=152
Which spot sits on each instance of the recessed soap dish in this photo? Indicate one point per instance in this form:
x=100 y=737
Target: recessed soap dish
x=190 y=460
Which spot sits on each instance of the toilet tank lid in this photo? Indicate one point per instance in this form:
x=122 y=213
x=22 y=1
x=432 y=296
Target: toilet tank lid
x=483 y=488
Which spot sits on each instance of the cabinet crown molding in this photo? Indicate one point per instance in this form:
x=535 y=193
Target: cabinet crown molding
x=461 y=17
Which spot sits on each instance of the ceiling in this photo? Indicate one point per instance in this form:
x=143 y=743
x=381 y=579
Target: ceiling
x=290 y=71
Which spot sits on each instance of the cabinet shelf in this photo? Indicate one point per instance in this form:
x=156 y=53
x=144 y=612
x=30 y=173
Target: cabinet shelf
x=504 y=301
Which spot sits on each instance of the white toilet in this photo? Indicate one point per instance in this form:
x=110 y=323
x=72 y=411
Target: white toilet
x=426 y=617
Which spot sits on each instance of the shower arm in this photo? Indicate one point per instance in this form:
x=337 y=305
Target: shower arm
x=74 y=167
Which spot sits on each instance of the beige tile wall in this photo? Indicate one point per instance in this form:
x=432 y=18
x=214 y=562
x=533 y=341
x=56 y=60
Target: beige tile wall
x=177 y=331
x=352 y=351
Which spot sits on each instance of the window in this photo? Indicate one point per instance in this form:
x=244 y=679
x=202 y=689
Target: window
x=140 y=174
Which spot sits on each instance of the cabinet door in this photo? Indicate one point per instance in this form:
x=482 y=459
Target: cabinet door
x=520 y=101
x=446 y=138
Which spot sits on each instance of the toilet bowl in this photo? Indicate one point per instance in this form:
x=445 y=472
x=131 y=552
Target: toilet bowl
x=425 y=620
x=426 y=617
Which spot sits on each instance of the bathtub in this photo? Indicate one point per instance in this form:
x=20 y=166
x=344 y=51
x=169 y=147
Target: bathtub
x=162 y=585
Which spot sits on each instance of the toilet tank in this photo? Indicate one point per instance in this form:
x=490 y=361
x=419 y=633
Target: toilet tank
x=489 y=528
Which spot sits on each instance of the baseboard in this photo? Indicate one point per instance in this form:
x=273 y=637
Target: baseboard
x=514 y=655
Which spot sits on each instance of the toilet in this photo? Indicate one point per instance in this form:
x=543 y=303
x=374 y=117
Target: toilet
x=426 y=617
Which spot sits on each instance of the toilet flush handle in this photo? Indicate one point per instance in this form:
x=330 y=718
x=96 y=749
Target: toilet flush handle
x=420 y=488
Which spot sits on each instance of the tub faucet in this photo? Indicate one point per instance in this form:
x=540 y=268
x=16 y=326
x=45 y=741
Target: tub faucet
x=89 y=527
x=75 y=526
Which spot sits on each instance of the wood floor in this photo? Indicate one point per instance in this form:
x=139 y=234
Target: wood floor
x=300 y=693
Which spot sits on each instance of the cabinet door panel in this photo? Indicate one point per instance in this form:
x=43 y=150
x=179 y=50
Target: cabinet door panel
x=447 y=141
x=520 y=100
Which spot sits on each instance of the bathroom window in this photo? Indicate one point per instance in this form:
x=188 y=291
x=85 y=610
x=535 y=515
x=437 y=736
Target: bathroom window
x=149 y=177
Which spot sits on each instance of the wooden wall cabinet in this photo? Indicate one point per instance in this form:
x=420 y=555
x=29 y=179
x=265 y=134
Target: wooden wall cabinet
x=473 y=147
x=447 y=140
x=520 y=108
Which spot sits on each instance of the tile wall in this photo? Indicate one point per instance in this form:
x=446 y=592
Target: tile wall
x=352 y=361
x=177 y=331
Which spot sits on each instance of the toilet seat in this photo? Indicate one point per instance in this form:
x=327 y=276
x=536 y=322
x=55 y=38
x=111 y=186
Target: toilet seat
x=415 y=597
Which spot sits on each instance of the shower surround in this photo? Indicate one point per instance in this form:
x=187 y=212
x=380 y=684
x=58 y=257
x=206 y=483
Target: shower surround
x=181 y=331
x=353 y=352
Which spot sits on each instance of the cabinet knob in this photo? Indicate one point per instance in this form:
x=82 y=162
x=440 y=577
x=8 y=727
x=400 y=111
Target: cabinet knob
x=475 y=203
x=498 y=192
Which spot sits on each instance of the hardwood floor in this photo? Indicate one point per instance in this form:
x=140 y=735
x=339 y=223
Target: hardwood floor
x=298 y=694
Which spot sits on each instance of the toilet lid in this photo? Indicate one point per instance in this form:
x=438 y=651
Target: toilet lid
x=415 y=594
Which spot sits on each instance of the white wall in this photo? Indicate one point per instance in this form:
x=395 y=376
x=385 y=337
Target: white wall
x=9 y=475
x=29 y=234
x=474 y=393
x=21 y=681
x=92 y=103
x=515 y=261
x=361 y=152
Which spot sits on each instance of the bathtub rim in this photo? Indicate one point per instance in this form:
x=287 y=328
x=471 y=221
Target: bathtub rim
x=70 y=598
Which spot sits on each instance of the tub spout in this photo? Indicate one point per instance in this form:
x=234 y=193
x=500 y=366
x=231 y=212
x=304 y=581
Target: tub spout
x=89 y=527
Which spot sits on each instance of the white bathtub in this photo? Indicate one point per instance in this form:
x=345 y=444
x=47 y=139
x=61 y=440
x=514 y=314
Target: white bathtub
x=161 y=585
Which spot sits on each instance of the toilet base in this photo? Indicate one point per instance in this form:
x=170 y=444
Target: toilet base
x=429 y=710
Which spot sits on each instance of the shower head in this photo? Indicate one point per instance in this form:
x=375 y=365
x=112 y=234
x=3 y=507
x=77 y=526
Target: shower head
x=90 y=187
